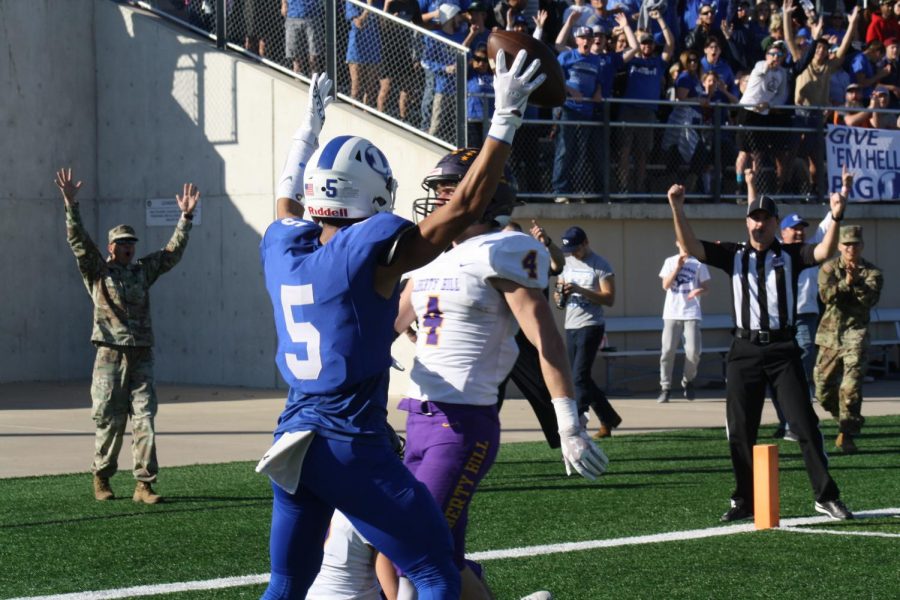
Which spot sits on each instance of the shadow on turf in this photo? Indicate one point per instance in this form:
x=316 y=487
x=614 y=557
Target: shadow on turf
x=157 y=511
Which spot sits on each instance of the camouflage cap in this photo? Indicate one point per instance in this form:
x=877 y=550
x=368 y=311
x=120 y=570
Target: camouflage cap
x=122 y=232
x=851 y=234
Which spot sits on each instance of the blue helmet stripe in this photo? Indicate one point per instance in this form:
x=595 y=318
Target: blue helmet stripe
x=331 y=150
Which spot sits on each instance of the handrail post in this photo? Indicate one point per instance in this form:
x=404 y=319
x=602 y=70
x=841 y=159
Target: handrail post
x=221 y=27
x=717 y=154
x=331 y=41
x=606 y=151
x=461 y=93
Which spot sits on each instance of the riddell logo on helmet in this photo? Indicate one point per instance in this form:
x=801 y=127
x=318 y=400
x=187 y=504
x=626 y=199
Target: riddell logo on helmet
x=327 y=212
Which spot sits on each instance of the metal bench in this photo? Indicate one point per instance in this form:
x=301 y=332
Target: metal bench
x=881 y=349
x=627 y=325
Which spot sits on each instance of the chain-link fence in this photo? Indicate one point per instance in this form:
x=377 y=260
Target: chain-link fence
x=380 y=61
x=428 y=82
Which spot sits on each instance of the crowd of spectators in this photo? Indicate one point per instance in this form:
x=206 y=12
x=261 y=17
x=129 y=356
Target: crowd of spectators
x=727 y=63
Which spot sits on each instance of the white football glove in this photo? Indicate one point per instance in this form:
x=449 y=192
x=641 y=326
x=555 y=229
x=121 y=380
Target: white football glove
x=579 y=452
x=318 y=101
x=511 y=90
x=306 y=139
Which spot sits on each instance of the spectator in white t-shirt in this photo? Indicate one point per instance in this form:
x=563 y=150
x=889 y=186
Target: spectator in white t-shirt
x=684 y=279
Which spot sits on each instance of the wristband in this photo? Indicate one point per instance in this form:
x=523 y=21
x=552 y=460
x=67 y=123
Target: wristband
x=837 y=219
x=548 y=242
x=188 y=216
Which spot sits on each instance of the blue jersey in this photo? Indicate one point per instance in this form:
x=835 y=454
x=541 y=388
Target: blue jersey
x=334 y=330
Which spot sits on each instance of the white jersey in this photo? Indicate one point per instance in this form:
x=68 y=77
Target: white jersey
x=466 y=344
x=348 y=567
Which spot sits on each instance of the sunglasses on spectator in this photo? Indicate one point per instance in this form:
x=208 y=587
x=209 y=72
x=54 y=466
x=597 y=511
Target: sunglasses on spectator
x=477 y=58
x=774 y=53
x=692 y=59
x=704 y=13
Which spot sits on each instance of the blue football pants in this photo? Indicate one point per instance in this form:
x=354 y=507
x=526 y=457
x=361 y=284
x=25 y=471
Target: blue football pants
x=387 y=505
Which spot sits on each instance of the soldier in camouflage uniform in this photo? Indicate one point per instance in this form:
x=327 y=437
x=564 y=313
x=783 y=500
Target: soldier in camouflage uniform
x=122 y=383
x=849 y=285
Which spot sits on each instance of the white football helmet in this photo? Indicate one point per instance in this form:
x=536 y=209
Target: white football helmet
x=348 y=178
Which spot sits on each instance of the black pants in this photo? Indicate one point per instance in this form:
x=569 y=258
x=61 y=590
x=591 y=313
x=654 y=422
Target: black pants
x=526 y=374
x=750 y=367
x=583 y=345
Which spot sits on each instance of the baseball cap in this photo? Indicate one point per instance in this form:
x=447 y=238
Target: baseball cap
x=881 y=90
x=646 y=37
x=572 y=238
x=520 y=19
x=478 y=6
x=792 y=220
x=763 y=203
x=890 y=41
x=447 y=12
x=850 y=234
x=852 y=86
x=121 y=233
x=584 y=32
x=599 y=30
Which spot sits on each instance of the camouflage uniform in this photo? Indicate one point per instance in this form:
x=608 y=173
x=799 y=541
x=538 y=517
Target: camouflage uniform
x=843 y=339
x=122 y=383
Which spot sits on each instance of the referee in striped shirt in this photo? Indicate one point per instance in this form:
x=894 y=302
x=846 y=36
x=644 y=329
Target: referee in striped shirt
x=764 y=274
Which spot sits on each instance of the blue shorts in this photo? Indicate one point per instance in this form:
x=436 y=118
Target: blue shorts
x=382 y=499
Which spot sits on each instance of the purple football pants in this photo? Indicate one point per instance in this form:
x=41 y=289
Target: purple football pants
x=450 y=448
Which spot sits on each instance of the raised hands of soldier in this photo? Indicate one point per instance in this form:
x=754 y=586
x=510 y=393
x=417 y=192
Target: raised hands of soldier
x=67 y=186
x=189 y=198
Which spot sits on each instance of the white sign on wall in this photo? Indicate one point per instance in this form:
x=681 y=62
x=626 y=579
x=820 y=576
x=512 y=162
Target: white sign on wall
x=165 y=212
x=871 y=155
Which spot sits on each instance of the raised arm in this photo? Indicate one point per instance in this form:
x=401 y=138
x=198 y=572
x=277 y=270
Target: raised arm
x=669 y=48
x=787 y=12
x=849 y=35
x=563 y=36
x=683 y=231
x=90 y=260
x=164 y=260
x=419 y=245
x=828 y=245
x=305 y=142
x=557 y=258
x=625 y=24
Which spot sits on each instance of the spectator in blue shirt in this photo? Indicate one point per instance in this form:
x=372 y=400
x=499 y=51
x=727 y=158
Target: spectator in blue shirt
x=364 y=52
x=863 y=68
x=304 y=34
x=581 y=70
x=441 y=60
x=646 y=73
x=480 y=107
x=712 y=61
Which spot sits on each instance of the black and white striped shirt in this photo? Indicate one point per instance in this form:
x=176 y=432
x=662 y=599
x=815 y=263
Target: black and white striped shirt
x=763 y=283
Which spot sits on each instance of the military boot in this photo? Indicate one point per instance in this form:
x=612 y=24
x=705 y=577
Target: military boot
x=846 y=444
x=102 y=491
x=144 y=493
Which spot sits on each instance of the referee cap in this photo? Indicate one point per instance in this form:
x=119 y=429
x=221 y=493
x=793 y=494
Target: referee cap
x=763 y=203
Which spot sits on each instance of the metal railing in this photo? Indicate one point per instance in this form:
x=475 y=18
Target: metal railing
x=417 y=79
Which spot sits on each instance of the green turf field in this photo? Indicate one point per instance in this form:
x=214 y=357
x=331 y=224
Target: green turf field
x=54 y=538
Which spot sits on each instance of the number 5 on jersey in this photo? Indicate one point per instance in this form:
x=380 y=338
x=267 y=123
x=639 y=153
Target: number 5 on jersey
x=301 y=333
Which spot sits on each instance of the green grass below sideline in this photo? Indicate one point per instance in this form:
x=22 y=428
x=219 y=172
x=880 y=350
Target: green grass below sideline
x=54 y=538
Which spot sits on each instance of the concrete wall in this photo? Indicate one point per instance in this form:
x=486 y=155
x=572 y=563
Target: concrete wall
x=138 y=108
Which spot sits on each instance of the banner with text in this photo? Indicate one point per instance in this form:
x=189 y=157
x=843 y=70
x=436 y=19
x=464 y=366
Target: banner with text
x=871 y=155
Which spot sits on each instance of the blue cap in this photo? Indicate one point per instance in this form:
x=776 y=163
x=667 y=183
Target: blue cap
x=572 y=238
x=792 y=220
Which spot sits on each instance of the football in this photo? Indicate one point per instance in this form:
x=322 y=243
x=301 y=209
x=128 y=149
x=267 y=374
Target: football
x=550 y=93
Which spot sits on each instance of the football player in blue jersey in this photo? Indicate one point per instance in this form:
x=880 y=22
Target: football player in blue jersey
x=333 y=283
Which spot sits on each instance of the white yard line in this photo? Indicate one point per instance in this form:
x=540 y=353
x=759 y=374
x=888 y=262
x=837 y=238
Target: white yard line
x=792 y=525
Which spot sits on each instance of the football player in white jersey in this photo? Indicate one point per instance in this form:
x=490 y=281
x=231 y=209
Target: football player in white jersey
x=467 y=303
